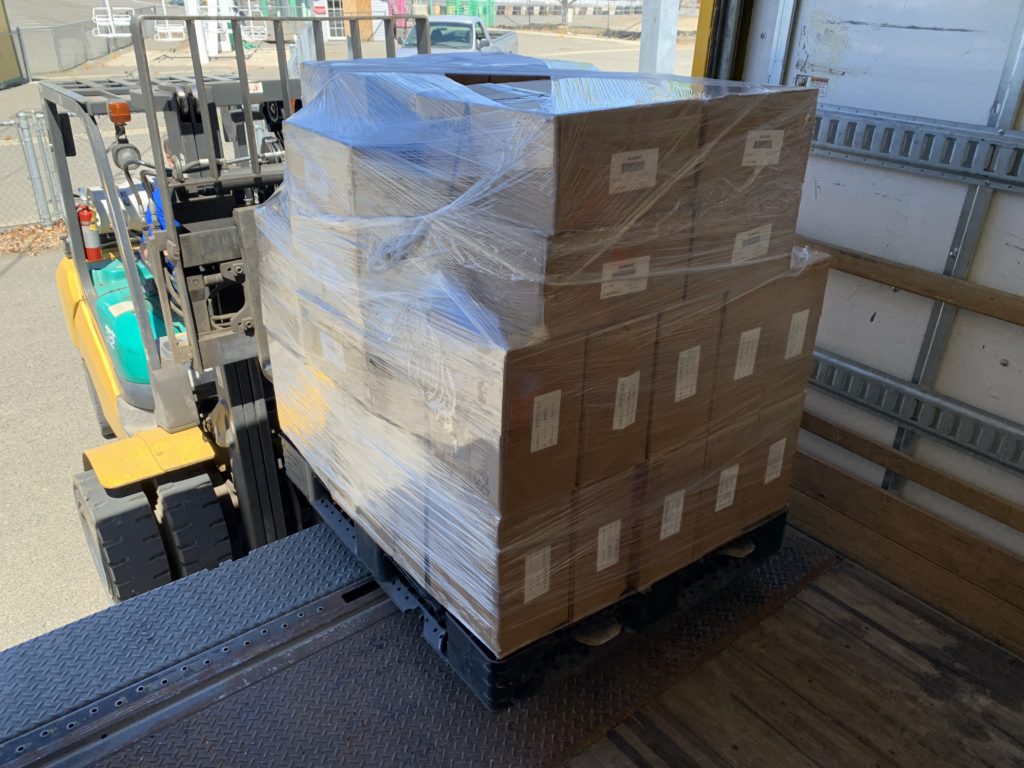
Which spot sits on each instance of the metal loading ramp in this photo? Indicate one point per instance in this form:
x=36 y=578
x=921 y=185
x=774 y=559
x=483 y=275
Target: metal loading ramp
x=292 y=656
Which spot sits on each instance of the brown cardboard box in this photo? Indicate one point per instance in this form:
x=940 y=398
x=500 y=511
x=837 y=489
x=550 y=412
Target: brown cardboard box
x=514 y=437
x=778 y=428
x=742 y=355
x=603 y=519
x=616 y=399
x=756 y=146
x=508 y=583
x=794 y=302
x=684 y=375
x=670 y=508
x=730 y=484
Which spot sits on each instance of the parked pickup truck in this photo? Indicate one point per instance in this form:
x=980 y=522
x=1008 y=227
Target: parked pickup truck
x=462 y=33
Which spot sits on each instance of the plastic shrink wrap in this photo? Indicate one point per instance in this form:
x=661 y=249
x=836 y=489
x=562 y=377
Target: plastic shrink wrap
x=540 y=330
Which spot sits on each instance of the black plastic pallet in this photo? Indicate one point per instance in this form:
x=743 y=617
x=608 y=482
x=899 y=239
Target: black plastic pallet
x=498 y=683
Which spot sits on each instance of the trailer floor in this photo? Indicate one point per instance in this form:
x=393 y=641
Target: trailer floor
x=804 y=661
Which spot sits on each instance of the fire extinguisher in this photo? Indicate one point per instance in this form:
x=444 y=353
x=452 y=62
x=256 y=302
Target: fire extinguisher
x=90 y=234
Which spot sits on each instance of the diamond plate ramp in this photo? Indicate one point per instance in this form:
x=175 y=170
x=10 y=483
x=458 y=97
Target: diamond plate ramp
x=382 y=697
x=76 y=664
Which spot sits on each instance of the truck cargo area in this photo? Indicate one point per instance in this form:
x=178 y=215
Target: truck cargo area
x=292 y=655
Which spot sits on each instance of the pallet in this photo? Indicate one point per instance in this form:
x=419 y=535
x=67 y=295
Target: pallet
x=498 y=683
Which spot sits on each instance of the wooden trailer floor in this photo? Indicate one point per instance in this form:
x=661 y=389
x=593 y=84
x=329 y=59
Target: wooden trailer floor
x=851 y=671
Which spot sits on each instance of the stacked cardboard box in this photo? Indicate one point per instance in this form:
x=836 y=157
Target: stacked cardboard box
x=520 y=328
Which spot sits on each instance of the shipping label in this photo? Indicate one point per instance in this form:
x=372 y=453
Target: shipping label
x=727 y=487
x=746 y=355
x=332 y=351
x=536 y=573
x=630 y=171
x=797 y=331
x=686 y=373
x=624 y=276
x=763 y=148
x=608 y=545
x=751 y=244
x=626 y=395
x=776 y=456
x=546 y=409
x=672 y=514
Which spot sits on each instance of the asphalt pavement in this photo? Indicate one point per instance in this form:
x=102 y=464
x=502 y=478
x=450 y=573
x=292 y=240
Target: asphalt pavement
x=47 y=421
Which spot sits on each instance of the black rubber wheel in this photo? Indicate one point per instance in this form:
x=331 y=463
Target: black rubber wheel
x=123 y=537
x=192 y=520
x=105 y=429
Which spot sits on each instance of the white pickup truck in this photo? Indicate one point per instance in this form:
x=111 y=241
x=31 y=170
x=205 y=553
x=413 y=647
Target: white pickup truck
x=462 y=33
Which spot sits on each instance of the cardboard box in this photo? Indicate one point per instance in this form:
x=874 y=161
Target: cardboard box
x=616 y=399
x=742 y=360
x=506 y=579
x=778 y=429
x=603 y=521
x=730 y=485
x=670 y=509
x=684 y=373
x=512 y=424
x=795 y=304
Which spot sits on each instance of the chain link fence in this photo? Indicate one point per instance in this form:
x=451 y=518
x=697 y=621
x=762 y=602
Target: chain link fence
x=29 y=190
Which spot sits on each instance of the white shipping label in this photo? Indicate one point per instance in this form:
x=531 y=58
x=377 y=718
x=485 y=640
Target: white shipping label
x=256 y=87
x=727 y=487
x=746 y=355
x=625 y=276
x=763 y=148
x=751 y=244
x=797 y=331
x=120 y=308
x=332 y=351
x=672 y=514
x=608 y=545
x=686 y=373
x=630 y=171
x=626 y=395
x=776 y=455
x=536 y=573
x=546 y=409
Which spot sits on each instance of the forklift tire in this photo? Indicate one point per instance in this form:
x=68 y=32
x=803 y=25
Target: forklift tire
x=105 y=429
x=193 y=524
x=122 y=536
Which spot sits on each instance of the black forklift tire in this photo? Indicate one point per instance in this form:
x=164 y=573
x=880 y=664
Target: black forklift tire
x=192 y=520
x=122 y=536
x=105 y=429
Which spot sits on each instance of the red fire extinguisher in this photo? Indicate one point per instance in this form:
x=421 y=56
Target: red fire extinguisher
x=90 y=234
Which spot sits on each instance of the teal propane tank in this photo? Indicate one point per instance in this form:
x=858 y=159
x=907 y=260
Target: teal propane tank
x=115 y=316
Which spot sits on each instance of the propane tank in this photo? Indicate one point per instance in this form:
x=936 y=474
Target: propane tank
x=90 y=234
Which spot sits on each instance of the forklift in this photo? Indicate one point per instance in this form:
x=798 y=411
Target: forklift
x=160 y=298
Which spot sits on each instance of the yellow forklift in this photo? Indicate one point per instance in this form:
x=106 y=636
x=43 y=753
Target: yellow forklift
x=165 y=315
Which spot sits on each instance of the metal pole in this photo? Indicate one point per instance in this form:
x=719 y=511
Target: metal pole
x=45 y=151
x=24 y=55
x=28 y=147
x=658 y=32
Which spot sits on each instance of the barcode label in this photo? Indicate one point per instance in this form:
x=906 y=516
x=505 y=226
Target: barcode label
x=256 y=87
x=546 y=409
x=624 y=276
x=797 y=331
x=630 y=171
x=763 y=148
x=686 y=373
x=626 y=395
x=608 y=545
x=672 y=514
x=727 y=487
x=536 y=573
x=776 y=456
x=746 y=355
x=752 y=244
x=332 y=351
